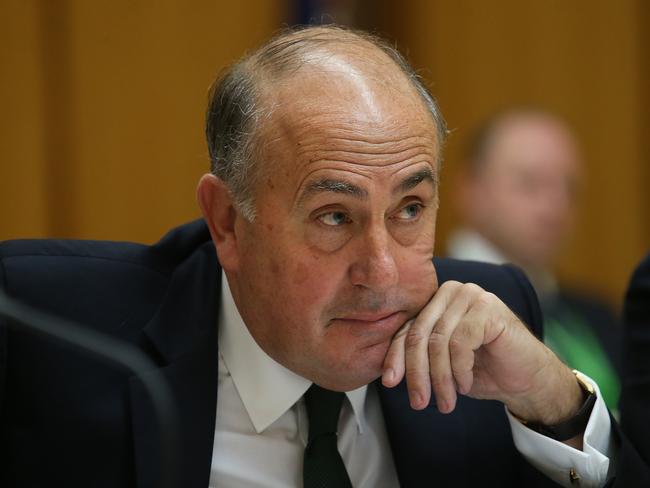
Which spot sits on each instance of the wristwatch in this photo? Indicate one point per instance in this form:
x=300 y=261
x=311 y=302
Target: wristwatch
x=575 y=425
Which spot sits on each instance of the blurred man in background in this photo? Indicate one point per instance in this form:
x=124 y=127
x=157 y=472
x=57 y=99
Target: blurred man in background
x=517 y=196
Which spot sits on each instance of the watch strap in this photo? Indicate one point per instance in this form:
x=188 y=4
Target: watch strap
x=576 y=425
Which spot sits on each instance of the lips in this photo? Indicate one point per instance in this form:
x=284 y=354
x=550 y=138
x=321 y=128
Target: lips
x=368 y=317
x=376 y=326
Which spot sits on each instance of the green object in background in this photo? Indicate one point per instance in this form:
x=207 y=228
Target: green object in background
x=576 y=344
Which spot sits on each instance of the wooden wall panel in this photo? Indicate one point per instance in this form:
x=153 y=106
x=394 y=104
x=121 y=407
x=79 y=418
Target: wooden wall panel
x=23 y=185
x=117 y=91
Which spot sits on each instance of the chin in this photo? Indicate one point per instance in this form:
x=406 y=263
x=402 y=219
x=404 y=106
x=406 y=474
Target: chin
x=363 y=370
x=349 y=382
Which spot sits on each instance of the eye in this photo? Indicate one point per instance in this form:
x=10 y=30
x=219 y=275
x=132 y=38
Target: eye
x=410 y=212
x=334 y=219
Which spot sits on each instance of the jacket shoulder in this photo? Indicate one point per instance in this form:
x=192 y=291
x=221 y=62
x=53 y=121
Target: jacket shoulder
x=73 y=277
x=161 y=257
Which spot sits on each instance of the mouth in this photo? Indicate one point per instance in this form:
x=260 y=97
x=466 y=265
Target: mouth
x=378 y=324
x=369 y=317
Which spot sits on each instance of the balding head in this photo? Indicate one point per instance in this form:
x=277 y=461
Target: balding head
x=250 y=92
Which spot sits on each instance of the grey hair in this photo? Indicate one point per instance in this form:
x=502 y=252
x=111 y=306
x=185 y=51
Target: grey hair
x=235 y=110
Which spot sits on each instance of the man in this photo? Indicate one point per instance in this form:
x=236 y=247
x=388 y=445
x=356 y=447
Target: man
x=517 y=197
x=321 y=207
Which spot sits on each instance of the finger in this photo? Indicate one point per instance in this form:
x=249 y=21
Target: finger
x=442 y=377
x=394 y=368
x=416 y=346
x=465 y=340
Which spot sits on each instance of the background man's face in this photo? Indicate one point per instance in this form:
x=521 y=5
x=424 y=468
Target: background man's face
x=339 y=256
x=523 y=195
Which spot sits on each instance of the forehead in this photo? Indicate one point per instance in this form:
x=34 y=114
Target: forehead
x=364 y=83
x=341 y=115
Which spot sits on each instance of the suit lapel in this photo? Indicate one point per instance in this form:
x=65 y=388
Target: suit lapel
x=426 y=444
x=183 y=334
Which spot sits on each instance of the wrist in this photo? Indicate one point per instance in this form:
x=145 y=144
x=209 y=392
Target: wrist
x=572 y=429
x=558 y=398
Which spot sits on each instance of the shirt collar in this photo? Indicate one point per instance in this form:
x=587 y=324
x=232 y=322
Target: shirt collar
x=467 y=244
x=267 y=389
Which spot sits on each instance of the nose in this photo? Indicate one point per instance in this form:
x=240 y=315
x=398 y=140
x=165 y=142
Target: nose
x=374 y=266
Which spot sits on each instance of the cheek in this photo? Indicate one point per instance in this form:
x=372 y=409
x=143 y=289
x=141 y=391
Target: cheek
x=418 y=270
x=417 y=273
x=419 y=248
x=301 y=274
x=306 y=281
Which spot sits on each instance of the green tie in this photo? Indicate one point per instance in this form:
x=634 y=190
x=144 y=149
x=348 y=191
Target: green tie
x=322 y=465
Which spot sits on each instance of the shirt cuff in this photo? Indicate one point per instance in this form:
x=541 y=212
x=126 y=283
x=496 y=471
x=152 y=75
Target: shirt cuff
x=557 y=460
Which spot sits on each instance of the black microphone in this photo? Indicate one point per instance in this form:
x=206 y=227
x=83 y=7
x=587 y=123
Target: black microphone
x=113 y=351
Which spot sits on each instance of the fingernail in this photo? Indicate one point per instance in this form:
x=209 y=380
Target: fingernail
x=416 y=399
x=389 y=375
x=443 y=406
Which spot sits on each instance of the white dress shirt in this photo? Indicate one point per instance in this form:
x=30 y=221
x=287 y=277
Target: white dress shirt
x=261 y=425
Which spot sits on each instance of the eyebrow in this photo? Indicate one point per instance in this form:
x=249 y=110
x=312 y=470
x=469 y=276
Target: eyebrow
x=346 y=188
x=414 y=180
x=335 y=186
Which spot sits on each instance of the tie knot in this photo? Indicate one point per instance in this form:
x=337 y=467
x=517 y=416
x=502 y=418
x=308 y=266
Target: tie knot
x=323 y=410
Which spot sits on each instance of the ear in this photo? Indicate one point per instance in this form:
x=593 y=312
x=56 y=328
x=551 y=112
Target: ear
x=220 y=215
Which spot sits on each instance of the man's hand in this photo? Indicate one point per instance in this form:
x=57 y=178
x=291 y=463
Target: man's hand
x=466 y=340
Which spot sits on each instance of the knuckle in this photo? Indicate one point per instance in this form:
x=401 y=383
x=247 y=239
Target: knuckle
x=463 y=363
x=442 y=324
x=467 y=329
x=437 y=341
x=440 y=381
x=487 y=299
x=457 y=344
x=414 y=337
x=415 y=376
x=470 y=289
x=450 y=286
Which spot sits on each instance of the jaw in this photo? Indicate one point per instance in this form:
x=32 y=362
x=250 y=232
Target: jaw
x=346 y=372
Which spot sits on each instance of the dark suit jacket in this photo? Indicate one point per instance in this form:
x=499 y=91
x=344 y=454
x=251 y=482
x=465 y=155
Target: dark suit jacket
x=67 y=419
x=635 y=398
